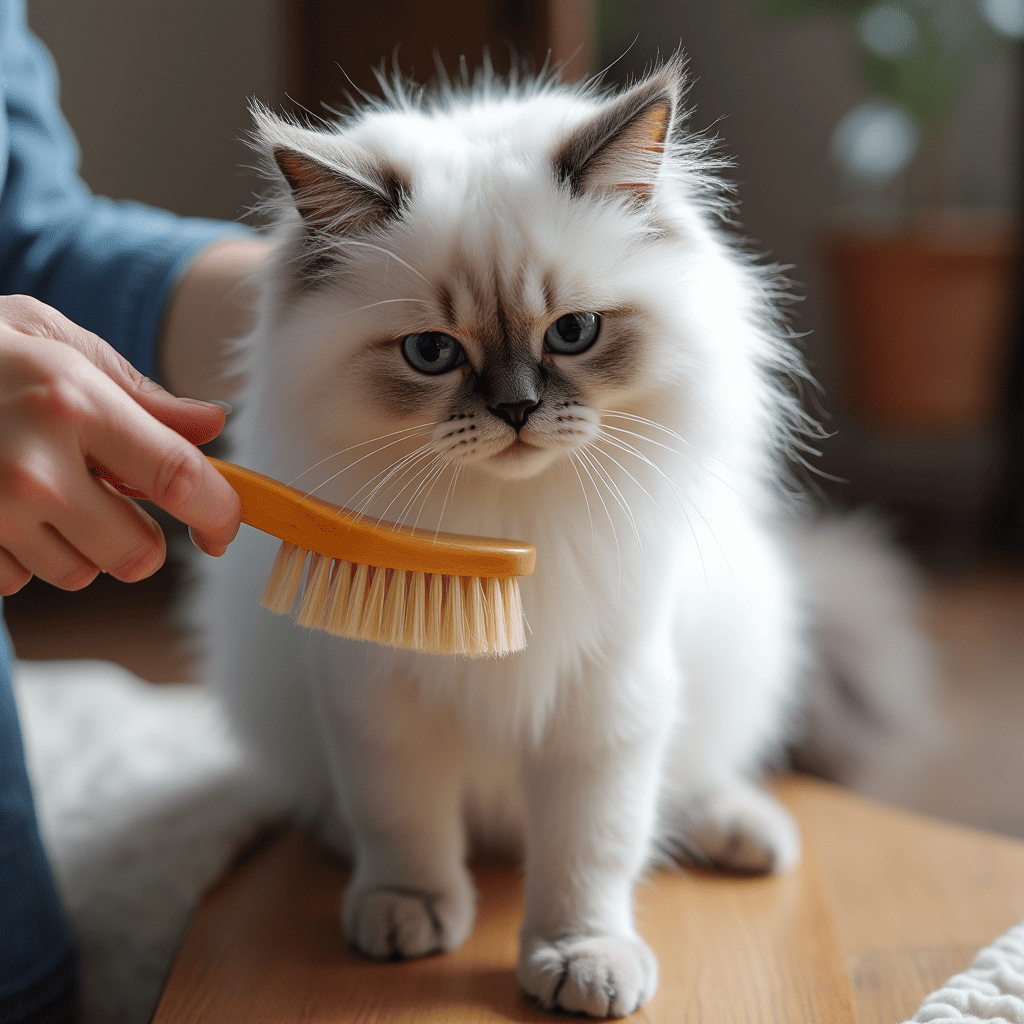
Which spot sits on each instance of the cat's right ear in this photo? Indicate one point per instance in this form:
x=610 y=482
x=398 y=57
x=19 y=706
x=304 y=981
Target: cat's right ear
x=336 y=187
x=341 y=200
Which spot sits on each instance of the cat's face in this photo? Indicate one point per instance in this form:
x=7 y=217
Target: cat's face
x=513 y=376
x=476 y=275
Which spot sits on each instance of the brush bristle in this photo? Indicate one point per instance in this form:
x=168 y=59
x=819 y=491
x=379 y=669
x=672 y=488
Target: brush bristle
x=430 y=612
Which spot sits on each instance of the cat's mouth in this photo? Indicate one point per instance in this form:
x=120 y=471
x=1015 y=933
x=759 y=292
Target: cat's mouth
x=519 y=460
x=517 y=449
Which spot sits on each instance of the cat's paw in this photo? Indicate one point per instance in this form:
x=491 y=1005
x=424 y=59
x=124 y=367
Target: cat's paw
x=740 y=828
x=390 y=922
x=600 y=975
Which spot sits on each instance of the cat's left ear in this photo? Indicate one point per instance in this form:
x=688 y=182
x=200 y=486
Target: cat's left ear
x=623 y=145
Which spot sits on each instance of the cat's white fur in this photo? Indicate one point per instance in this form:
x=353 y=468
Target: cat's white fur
x=668 y=626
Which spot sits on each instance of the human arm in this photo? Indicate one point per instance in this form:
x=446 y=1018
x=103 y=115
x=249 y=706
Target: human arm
x=123 y=271
x=213 y=304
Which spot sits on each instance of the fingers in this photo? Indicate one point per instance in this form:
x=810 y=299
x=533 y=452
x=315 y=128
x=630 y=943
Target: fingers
x=52 y=559
x=71 y=526
x=110 y=531
x=13 y=575
x=150 y=457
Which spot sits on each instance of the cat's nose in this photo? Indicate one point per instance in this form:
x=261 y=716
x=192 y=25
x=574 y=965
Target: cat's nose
x=514 y=413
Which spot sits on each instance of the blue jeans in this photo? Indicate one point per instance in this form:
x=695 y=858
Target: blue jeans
x=38 y=968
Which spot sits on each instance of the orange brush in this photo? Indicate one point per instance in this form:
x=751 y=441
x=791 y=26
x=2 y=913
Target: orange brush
x=370 y=579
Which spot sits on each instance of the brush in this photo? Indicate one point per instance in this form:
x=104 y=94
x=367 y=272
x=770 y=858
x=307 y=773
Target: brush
x=355 y=576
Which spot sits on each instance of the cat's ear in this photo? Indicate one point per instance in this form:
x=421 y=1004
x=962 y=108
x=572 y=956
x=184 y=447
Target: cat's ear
x=356 y=197
x=336 y=187
x=623 y=145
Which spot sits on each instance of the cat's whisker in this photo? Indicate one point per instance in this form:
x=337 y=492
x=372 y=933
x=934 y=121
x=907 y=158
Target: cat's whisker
x=668 y=430
x=372 y=440
x=390 y=255
x=428 y=473
x=680 y=494
x=445 y=463
x=447 y=495
x=572 y=462
x=632 y=451
x=682 y=455
x=617 y=494
x=385 y=302
x=651 y=440
x=385 y=476
x=611 y=522
x=368 y=455
x=413 y=470
x=393 y=473
x=385 y=473
x=677 y=491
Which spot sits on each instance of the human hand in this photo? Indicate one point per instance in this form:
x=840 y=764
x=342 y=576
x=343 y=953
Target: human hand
x=67 y=399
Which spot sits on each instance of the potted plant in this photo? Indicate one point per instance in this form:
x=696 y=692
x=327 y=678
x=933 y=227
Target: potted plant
x=926 y=285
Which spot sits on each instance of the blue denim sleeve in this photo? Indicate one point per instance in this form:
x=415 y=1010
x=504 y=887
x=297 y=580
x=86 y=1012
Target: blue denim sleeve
x=109 y=266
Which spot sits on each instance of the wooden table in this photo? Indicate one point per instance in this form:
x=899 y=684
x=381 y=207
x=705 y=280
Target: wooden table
x=884 y=906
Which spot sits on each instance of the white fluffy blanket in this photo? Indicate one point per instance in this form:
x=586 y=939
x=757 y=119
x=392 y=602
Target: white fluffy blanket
x=143 y=799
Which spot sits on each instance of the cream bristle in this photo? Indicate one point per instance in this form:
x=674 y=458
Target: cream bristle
x=435 y=608
x=356 y=597
x=313 y=606
x=373 y=611
x=416 y=612
x=337 y=608
x=453 y=626
x=392 y=629
x=285 y=576
x=513 y=613
x=421 y=611
x=497 y=633
x=476 y=626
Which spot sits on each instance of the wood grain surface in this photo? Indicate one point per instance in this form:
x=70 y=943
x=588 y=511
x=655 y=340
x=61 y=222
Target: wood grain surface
x=882 y=908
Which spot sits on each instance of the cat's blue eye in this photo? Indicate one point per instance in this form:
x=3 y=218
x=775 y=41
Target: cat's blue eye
x=572 y=333
x=432 y=352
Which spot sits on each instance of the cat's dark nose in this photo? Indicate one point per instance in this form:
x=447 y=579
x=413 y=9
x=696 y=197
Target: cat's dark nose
x=514 y=413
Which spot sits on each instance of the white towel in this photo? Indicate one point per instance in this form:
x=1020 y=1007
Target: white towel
x=990 y=991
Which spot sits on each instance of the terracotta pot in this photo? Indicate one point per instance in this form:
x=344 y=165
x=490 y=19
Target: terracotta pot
x=926 y=311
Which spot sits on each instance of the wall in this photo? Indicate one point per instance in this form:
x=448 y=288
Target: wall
x=773 y=92
x=157 y=91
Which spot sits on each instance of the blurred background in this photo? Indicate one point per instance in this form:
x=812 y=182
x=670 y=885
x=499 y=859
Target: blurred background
x=878 y=152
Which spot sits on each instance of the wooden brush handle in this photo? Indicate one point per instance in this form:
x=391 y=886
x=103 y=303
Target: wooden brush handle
x=336 y=532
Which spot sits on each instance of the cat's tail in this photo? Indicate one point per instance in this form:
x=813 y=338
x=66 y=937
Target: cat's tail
x=871 y=710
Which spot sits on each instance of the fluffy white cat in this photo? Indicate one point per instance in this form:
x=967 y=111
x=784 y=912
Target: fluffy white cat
x=510 y=310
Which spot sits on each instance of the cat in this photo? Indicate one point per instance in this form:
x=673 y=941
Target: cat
x=510 y=308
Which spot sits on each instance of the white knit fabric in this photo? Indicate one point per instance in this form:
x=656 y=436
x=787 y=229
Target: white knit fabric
x=991 y=990
x=143 y=798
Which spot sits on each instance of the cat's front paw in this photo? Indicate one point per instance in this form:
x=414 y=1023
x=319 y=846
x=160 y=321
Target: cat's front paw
x=390 y=922
x=739 y=828
x=600 y=975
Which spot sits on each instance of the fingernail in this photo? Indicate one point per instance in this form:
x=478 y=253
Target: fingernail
x=214 y=551
x=223 y=406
